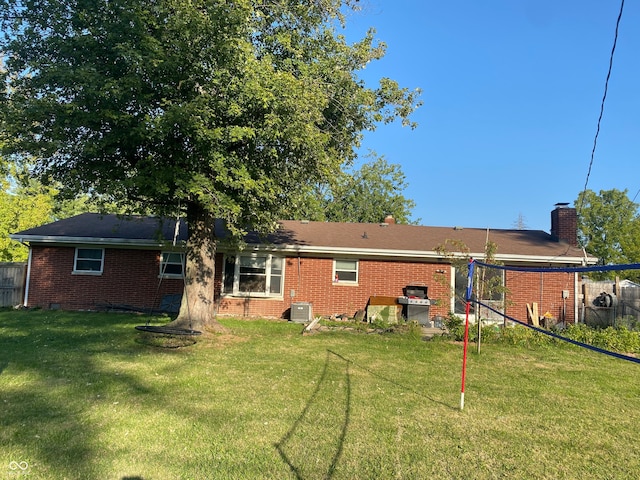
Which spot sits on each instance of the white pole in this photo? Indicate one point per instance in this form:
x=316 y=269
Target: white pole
x=27 y=280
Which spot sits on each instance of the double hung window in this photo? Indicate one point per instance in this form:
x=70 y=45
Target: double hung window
x=171 y=264
x=88 y=261
x=345 y=271
x=253 y=275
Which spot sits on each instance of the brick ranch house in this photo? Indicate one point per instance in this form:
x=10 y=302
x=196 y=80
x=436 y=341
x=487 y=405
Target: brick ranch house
x=94 y=262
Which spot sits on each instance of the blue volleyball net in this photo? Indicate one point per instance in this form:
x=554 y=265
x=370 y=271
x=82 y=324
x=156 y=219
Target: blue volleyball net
x=562 y=296
x=549 y=300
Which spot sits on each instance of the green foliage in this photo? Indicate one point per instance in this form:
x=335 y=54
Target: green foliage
x=23 y=204
x=455 y=326
x=610 y=338
x=163 y=104
x=26 y=202
x=206 y=108
x=619 y=339
x=366 y=195
x=414 y=331
x=523 y=336
x=609 y=228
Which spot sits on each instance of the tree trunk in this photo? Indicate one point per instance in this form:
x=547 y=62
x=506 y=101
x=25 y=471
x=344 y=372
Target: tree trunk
x=197 y=310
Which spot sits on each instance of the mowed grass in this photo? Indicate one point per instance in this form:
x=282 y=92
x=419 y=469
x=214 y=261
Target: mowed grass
x=86 y=396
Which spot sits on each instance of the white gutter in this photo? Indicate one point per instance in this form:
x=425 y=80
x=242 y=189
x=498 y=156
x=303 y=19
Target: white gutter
x=53 y=239
x=415 y=254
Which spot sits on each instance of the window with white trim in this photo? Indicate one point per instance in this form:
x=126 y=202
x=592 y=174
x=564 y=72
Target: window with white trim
x=253 y=275
x=171 y=264
x=345 y=271
x=88 y=261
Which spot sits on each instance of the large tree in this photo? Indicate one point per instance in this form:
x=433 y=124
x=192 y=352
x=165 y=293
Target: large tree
x=202 y=108
x=609 y=227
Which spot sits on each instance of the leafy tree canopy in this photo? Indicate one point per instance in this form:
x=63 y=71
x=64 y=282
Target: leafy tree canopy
x=213 y=108
x=24 y=203
x=366 y=195
x=609 y=227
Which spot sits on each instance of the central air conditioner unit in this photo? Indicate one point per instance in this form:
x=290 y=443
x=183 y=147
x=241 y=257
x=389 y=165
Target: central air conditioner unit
x=301 y=312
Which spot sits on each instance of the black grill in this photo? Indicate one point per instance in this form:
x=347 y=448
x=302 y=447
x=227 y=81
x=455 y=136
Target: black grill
x=416 y=291
x=415 y=303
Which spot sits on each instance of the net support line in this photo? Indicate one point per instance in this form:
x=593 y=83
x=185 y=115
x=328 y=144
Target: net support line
x=466 y=330
x=590 y=268
x=560 y=337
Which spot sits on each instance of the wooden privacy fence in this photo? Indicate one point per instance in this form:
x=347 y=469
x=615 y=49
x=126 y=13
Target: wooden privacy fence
x=12 y=281
x=622 y=307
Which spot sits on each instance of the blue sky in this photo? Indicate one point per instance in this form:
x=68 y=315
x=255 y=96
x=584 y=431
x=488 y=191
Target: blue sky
x=512 y=92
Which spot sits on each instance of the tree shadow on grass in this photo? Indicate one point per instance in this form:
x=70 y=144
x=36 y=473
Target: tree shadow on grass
x=326 y=423
x=49 y=381
x=318 y=434
x=394 y=382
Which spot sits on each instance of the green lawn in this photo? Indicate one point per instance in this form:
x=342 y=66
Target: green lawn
x=84 y=396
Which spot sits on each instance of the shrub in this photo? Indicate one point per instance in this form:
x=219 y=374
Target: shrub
x=616 y=339
x=619 y=339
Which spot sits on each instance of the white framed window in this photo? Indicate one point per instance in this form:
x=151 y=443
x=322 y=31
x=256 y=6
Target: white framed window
x=171 y=264
x=88 y=261
x=345 y=271
x=260 y=275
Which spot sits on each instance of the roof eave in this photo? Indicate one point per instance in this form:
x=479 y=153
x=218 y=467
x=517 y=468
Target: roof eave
x=114 y=242
x=419 y=254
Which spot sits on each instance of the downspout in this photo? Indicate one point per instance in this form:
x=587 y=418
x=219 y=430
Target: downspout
x=576 y=320
x=27 y=280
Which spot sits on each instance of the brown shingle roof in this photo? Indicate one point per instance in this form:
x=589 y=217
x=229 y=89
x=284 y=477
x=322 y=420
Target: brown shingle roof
x=371 y=239
x=411 y=238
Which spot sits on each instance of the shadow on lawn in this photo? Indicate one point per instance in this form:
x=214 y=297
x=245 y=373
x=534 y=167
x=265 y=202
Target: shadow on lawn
x=327 y=422
x=293 y=447
x=394 y=382
x=318 y=434
x=49 y=380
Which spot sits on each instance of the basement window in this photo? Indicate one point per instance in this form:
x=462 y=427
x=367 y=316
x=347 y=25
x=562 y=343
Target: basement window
x=88 y=261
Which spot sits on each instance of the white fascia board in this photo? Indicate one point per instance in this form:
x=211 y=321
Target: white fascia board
x=414 y=254
x=544 y=259
x=114 y=242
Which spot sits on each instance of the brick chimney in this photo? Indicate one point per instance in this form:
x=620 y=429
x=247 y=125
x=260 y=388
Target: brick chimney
x=564 y=224
x=389 y=220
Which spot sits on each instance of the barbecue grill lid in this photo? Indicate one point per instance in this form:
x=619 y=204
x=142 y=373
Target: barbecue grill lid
x=419 y=291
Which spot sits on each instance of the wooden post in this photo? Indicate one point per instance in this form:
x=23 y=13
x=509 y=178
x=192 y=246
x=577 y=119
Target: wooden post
x=535 y=315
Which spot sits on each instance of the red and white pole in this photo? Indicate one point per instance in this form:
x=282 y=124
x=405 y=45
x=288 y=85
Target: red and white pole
x=466 y=331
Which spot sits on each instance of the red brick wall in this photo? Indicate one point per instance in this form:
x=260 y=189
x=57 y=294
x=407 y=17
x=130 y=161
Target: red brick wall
x=130 y=277
x=545 y=289
x=312 y=281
